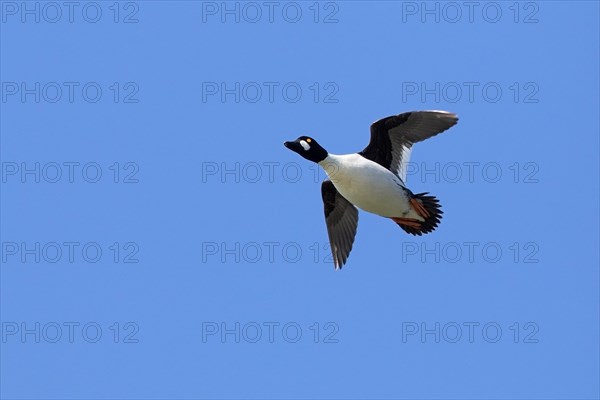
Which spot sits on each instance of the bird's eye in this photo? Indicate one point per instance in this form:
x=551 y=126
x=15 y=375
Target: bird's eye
x=308 y=140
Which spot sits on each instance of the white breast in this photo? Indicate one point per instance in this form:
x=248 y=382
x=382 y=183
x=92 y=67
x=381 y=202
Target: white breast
x=368 y=185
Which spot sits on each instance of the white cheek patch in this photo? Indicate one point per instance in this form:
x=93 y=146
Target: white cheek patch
x=305 y=145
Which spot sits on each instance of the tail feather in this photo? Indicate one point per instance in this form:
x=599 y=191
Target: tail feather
x=430 y=209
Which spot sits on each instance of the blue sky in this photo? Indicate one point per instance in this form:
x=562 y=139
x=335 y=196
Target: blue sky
x=158 y=241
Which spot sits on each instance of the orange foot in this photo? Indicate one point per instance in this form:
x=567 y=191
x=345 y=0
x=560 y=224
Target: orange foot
x=419 y=208
x=411 y=223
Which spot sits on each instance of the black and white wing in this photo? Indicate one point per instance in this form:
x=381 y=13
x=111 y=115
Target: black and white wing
x=392 y=137
x=341 y=218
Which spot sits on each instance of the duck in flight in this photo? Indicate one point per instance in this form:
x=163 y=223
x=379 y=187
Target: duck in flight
x=374 y=179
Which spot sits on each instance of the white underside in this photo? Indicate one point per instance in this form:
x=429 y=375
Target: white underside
x=368 y=185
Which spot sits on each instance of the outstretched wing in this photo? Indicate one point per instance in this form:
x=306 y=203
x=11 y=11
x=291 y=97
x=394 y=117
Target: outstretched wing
x=392 y=137
x=341 y=218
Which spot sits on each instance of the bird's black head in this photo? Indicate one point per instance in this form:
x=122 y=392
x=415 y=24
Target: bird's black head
x=308 y=148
